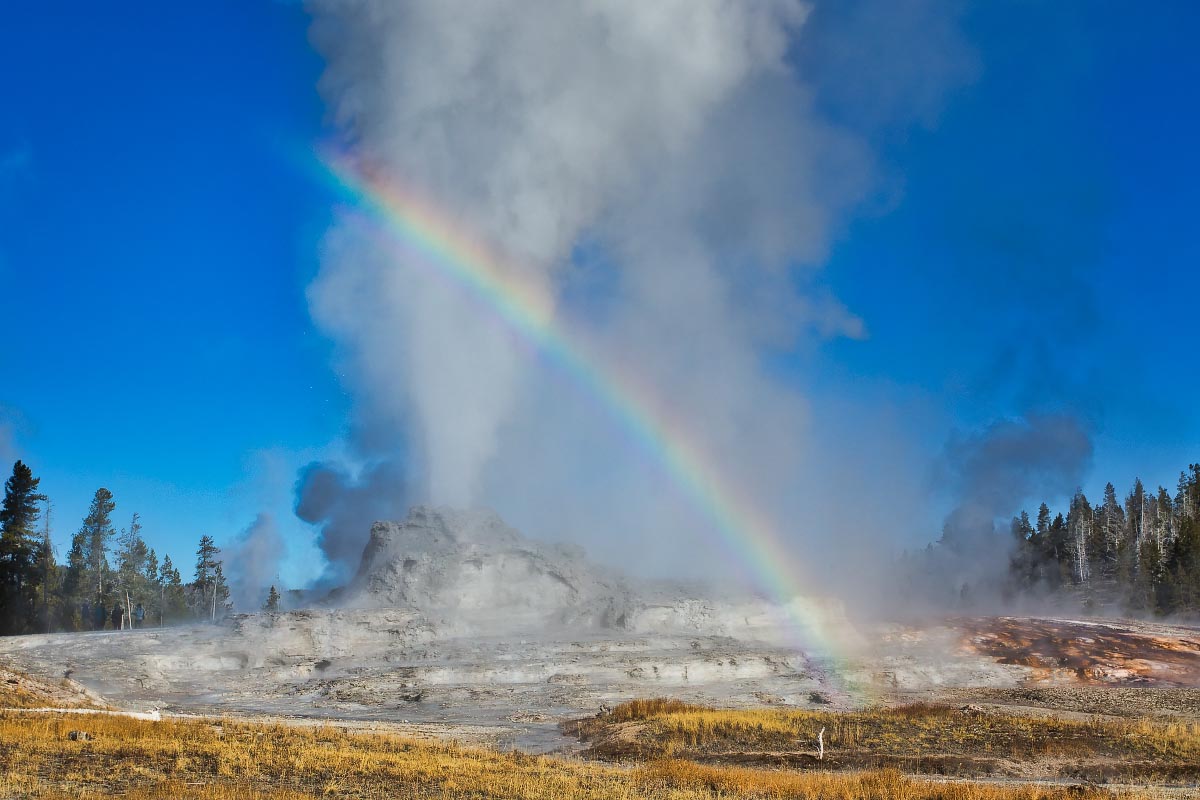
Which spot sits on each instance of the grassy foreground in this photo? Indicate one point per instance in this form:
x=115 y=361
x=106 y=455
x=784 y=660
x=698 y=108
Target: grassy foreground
x=915 y=738
x=193 y=759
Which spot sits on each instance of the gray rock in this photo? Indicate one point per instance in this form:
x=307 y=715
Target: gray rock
x=470 y=570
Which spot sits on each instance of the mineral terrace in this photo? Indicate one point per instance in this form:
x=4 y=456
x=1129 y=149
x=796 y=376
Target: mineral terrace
x=458 y=626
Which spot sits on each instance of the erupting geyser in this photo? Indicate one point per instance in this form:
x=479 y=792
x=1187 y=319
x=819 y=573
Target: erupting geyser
x=468 y=572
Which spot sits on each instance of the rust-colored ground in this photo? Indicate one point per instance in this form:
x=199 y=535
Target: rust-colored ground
x=1096 y=653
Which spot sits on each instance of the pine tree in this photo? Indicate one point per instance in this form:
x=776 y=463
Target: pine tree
x=1057 y=553
x=1129 y=550
x=1043 y=522
x=20 y=578
x=50 y=602
x=1135 y=512
x=89 y=577
x=1180 y=591
x=208 y=591
x=272 y=603
x=1111 y=523
x=221 y=605
x=1079 y=534
x=151 y=570
x=135 y=581
x=1186 y=497
x=1023 y=563
x=1144 y=554
x=1182 y=579
x=1022 y=529
x=172 y=604
x=1043 y=565
x=206 y=560
x=1146 y=585
x=1164 y=519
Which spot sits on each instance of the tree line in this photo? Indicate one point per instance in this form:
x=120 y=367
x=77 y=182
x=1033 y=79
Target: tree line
x=1141 y=554
x=105 y=569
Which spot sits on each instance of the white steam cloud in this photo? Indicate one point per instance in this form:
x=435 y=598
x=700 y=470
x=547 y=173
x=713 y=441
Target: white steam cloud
x=664 y=176
x=251 y=561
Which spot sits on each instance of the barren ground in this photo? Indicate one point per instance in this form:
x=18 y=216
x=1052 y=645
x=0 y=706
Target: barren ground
x=389 y=671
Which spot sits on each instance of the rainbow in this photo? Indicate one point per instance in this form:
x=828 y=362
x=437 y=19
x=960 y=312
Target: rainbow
x=746 y=533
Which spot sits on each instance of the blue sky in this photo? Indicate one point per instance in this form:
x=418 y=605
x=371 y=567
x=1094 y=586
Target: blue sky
x=1039 y=256
x=155 y=243
x=1031 y=247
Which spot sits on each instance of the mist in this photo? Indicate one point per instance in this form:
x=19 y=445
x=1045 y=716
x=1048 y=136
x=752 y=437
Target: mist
x=992 y=473
x=344 y=506
x=253 y=558
x=669 y=179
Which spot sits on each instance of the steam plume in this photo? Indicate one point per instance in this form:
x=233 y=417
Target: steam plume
x=252 y=559
x=993 y=472
x=344 y=506
x=663 y=177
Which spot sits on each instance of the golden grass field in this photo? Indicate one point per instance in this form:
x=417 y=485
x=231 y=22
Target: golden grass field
x=915 y=738
x=224 y=760
x=137 y=759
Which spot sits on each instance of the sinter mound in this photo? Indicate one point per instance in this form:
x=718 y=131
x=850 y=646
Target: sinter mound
x=469 y=572
x=470 y=568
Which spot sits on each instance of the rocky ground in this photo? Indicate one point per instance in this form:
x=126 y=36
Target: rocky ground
x=385 y=666
x=435 y=633
x=388 y=666
x=22 y=690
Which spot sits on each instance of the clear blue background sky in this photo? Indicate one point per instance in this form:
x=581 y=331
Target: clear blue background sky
x=156 y=239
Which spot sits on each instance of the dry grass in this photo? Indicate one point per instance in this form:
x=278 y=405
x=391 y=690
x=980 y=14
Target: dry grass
x=920 y=738
x=13 y=694
x=18 y=690
x=191 y=759
x=653 y=707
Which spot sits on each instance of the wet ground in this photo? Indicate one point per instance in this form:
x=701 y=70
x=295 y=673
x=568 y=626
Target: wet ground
x=1095 y=652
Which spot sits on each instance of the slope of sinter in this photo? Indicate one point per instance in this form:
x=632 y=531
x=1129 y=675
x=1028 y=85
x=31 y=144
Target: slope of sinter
x=468 y=572
x=470 y=569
